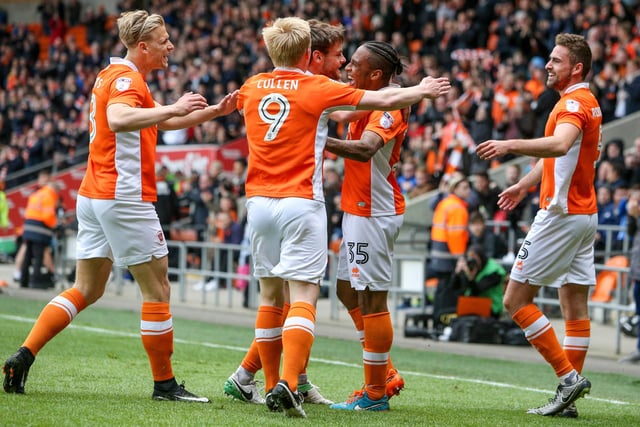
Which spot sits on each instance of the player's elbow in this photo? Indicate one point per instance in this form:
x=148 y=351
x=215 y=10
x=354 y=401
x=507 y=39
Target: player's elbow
x=560 y=150
x=116 y=127
x=367 y=153
x=361 y=157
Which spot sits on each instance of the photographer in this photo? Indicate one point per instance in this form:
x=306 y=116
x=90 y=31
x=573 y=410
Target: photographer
x=478 y=275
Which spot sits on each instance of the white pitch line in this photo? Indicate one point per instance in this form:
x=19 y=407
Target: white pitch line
x=315 y=359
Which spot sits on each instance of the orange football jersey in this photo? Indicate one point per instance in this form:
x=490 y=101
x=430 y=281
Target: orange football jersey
x=121 y=166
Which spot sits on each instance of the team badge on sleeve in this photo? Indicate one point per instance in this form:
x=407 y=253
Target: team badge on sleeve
x=123 y=83
x=572 y=105
x=386 y=120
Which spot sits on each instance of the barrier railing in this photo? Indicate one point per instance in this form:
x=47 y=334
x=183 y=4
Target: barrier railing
x=409 y=279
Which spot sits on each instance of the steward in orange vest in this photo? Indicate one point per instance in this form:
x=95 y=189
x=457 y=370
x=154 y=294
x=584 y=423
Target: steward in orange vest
x=40 y=219
x=449 y=234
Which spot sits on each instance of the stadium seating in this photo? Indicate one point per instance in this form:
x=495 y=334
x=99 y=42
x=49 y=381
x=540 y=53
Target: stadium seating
x=607 y=281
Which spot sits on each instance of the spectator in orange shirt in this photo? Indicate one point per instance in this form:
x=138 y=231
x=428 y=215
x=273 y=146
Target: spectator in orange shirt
x=537 y=76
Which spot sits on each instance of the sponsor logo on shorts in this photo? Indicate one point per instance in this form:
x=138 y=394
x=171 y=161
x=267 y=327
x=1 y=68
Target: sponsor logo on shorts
x=355 y=272
x=160 y=236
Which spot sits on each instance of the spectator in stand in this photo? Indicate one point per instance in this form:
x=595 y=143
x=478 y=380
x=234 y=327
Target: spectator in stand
x=620 y=198
x=238 y=176
x=74 y=12
x=535 y=85
x=517 y=214
x=504 y=100
x=633 y=229
x=616 y=176
x=481 y=126
x=217 y=175
x=606 y=215
x=425 y=183
x=168 y=211
x=606 y=89
x=57 y=27
x=632 y=162
x=613 y=152
x=228 y=204
x=407 y=176
x=630 y=90
x=603 y=170
x=202 y=199
x=541 y=108
x=332 y=187
x=484 y=195
x=493 y=244
x=46 y=9
x=96 y=23
x=224 y=229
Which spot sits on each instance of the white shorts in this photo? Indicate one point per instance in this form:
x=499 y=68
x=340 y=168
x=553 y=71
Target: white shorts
x=557 y=250
x=366 y=252
x=128 y=233
x=288 y=238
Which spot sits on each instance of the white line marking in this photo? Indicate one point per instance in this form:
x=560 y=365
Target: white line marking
x=315 y=359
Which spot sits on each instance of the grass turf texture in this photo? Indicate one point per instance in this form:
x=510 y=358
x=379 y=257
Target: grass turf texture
x=96 y=373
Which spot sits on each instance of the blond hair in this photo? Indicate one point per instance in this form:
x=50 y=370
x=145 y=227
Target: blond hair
x=136 y=26
x=287 y=41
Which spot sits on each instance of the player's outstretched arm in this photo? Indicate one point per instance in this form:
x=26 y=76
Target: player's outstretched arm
x=398 y=98
x=124 y=118
x=226 y=106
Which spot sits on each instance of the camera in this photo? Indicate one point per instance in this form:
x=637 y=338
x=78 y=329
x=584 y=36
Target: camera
x=472 y=263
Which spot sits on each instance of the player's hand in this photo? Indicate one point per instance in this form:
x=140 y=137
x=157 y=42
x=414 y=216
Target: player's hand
x=491 y=149
x=435 y=87
x=188 y=103
x=511 y=197
x=227 y=105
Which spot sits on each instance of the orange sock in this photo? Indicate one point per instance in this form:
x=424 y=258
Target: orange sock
x=285 y=311
x=53 y=318
x=302 y=378
x=576 y=341
x=390 y=364
x=251 y=361
x=297 y=339
x=538 y=330
x=378 y=337
x=269 y=342
x=156 y=329
x=358 y=322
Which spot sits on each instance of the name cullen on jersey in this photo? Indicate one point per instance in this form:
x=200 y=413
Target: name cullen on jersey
x=278 y=84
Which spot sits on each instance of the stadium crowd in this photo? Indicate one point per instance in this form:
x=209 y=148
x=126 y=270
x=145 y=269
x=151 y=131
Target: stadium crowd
x=494 y=52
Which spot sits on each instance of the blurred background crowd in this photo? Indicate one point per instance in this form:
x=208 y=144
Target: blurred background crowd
x=494 y=51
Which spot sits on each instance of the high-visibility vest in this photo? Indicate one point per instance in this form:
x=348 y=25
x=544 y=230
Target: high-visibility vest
x=449 y=234
x=40 y=214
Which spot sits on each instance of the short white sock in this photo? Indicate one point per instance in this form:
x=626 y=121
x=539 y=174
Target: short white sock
x=569 y=379
x=244 y=376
